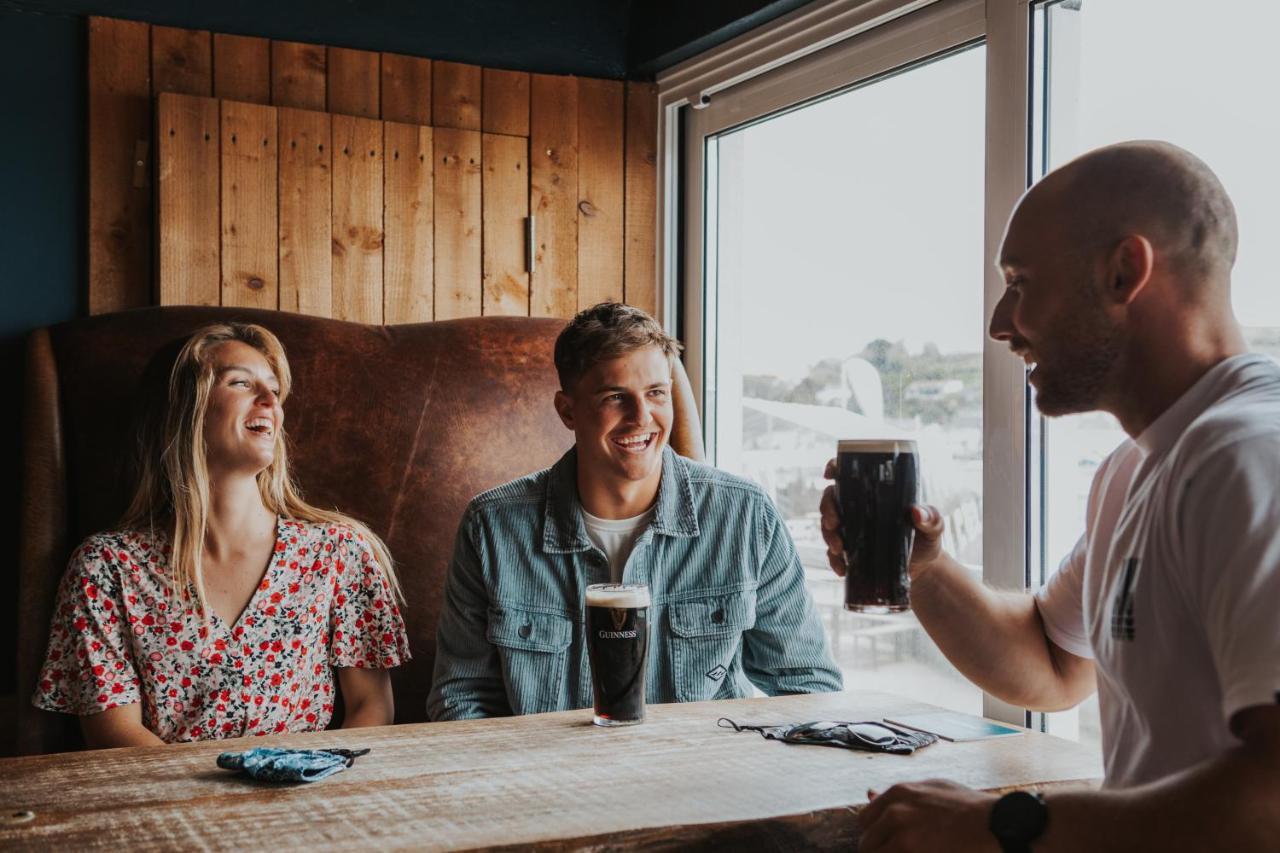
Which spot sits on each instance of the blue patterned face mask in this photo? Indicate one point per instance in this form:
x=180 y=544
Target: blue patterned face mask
x=866 y=736
x=268 y=764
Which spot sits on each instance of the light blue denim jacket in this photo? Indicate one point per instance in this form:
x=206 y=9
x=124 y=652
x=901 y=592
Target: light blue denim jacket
x=729 y=605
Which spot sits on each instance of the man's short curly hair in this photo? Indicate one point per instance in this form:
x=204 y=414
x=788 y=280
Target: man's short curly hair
x=604 y=332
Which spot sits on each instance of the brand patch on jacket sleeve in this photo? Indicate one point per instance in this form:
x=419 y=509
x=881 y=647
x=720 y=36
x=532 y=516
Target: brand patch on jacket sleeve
x=717 y=673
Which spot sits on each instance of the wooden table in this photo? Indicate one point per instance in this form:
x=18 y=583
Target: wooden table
x=552 y=781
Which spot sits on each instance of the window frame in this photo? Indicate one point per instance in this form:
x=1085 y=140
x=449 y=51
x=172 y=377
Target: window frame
x=823 y=49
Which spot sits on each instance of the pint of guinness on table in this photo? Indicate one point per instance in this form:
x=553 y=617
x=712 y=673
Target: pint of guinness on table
x=617 y=623
x=876 y=483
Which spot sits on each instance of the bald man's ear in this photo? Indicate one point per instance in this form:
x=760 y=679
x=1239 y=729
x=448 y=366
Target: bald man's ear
x=1130 y=268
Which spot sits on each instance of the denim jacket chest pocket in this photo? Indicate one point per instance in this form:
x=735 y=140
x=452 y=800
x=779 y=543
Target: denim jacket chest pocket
x=532 y=647
x=706 y=638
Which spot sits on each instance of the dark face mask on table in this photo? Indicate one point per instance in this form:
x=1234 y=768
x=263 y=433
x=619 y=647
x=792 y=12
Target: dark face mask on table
x=866 y=736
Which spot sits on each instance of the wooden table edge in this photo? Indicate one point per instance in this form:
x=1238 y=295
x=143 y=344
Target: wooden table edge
x=822 y=829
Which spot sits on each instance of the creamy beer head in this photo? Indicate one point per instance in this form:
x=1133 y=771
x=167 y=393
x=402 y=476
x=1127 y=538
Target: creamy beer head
x=617 y=595
x=876 y=445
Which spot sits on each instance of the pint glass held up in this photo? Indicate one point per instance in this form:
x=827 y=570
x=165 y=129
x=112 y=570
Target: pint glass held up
x=876 y=482
x=617 y=622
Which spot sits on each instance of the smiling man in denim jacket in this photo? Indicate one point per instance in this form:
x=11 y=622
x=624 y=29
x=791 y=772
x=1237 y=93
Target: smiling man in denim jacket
x=729 y=604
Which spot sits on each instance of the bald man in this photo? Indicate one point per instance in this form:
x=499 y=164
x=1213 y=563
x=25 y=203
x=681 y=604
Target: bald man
x=1118 y=273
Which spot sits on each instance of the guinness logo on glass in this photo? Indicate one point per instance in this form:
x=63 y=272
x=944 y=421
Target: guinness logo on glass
x=618 y=617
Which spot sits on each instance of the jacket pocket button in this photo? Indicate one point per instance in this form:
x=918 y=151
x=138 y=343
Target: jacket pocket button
x=525 y=631
x=718 y=616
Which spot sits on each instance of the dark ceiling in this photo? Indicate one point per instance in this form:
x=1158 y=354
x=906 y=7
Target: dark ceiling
x=595 y=38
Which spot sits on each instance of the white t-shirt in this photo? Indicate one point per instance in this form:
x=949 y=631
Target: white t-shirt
x=1174 y=589
x=616 y=537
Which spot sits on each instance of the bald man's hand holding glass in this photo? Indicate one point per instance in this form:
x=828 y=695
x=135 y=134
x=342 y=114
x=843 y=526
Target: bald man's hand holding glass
x=1009 y=656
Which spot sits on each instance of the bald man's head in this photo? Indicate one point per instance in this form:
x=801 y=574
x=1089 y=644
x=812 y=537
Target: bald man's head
x=1108 y=260
x=1153 y=189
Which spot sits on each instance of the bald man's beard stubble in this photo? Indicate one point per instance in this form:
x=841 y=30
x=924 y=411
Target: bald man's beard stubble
x=1073 y=373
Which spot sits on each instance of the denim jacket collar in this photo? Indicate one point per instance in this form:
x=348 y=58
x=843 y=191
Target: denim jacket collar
x=563 y=529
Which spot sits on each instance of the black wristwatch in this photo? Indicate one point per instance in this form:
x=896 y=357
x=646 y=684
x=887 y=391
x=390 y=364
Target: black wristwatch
x=1017 y=819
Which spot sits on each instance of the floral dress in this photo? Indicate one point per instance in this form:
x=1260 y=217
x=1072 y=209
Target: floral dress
x=116 y=637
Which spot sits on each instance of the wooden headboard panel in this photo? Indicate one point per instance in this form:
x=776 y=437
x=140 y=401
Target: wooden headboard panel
x=398 y=242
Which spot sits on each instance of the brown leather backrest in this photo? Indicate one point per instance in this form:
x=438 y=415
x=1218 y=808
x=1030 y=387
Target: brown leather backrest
x=398 y=426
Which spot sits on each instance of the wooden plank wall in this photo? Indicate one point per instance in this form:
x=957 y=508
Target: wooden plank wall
x=394 y=188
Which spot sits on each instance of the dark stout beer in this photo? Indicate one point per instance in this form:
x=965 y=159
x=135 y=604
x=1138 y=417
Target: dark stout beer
x=876 y=482
x=618 y=644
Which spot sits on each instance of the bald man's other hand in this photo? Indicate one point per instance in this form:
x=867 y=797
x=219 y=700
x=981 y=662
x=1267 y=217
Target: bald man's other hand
x=927 y=520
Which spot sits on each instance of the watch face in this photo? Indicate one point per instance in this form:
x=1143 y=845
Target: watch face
x=1017 y=819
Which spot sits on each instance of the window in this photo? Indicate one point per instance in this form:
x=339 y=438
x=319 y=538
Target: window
x=826 y=140
x=844 y=266
x=1146 y=69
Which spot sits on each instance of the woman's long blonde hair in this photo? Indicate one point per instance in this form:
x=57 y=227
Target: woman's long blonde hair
x=173 y=477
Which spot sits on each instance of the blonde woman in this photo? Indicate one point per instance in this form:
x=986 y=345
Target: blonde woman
x=225 y=603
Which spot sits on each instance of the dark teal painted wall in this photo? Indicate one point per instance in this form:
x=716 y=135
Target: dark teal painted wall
x=42 y=215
